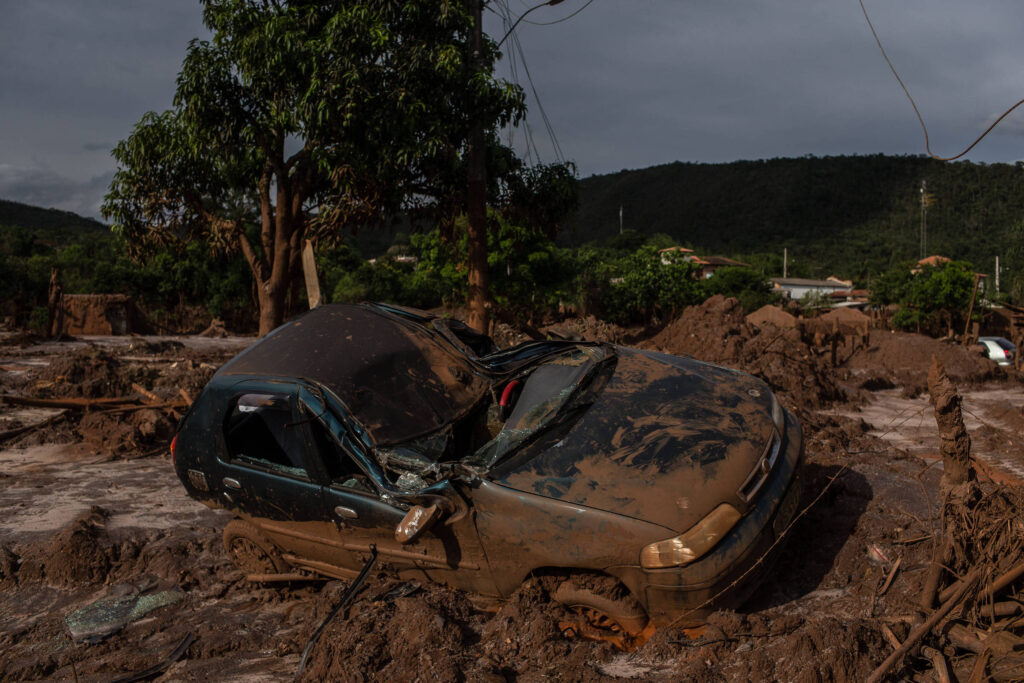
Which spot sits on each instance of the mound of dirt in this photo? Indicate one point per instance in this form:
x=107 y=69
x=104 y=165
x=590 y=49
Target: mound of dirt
x=769 y=315
x=905 y=359
x=90 y=373
x=135 y=432
x=591 y=329
x=718 y=332
x=80 y=552
x=188 y=374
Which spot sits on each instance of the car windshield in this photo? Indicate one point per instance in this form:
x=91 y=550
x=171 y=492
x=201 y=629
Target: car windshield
x=545 y=393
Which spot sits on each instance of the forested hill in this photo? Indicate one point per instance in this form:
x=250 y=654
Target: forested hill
x=852 y=215
x=48 y=224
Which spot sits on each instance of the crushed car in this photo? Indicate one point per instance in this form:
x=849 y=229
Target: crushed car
x=652 y=488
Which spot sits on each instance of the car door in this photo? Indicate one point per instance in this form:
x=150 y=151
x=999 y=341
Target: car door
x=268 y=470
x=365 y=514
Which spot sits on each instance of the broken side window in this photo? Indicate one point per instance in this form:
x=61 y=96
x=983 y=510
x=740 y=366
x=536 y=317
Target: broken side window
x=341 y=468
x=260 y=431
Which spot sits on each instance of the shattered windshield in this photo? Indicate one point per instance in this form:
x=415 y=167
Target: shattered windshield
x=545 y=392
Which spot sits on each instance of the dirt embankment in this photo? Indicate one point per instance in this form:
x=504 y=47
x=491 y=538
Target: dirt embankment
x=717 y=331
x=902 y=359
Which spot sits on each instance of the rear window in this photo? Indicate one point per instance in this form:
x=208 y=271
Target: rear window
x=260 y=431
x=1004 y=344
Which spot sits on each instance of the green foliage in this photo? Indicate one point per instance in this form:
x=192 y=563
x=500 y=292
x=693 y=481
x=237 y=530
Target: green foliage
x=746 y=284
x=934 y=299
x=851 y=216
x=376 y=98
x=650 y=288
x=94 y=262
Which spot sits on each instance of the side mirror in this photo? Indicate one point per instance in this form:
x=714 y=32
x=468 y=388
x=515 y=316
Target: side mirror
x=418 y=520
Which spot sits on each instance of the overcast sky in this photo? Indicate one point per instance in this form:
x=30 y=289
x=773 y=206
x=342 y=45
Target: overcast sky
x=625 y=83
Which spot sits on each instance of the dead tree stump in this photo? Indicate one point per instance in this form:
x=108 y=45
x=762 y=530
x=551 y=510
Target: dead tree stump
x=955 y=442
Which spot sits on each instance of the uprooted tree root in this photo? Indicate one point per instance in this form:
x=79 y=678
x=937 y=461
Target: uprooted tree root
x=976 y=632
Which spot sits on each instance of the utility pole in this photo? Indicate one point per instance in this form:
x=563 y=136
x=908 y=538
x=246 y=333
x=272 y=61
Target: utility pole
x=620 y=219
x=924 y=218
x=785 y=261
x=997 y=274
x=476 y=198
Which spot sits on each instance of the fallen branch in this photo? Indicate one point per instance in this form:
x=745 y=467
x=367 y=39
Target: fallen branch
x=940 y=664
x=146 y=392
x=891 y=576
x=925 y=628
x=72 y=403
x=999 y=584
x=18 y=431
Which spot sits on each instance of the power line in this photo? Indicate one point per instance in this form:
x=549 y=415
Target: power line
x=558 y=21
x=927 y=142
x=517 y=52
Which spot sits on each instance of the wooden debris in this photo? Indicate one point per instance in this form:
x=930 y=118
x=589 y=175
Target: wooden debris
x=18 y=431
x=940 y=664
x=925 y=628
x=146 y=392
x=891 y=576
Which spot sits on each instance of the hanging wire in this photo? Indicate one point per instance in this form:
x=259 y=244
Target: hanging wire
x=927 y=142
x=517 y=53
x=532 y=155
x=558 y=21
x=540 y=105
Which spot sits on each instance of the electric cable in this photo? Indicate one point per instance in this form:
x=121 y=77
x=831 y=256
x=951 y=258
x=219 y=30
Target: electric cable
x=518 y=50
x=927 y=142
x=558 y=21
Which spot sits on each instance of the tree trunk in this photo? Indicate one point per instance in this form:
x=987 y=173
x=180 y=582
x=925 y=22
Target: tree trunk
x=955 y=442
x=272 y=306
x=476 y=208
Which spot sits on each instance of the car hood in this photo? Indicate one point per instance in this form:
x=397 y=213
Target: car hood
x=666 y=441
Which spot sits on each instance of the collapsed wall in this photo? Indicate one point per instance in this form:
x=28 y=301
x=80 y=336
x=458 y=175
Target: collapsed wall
x=97 y=314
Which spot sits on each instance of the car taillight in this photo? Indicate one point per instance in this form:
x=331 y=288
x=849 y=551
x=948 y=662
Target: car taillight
x=174 y=448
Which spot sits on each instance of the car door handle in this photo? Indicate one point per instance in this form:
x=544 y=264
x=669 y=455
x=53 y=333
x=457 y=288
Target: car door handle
x=347 y=513
x=230 y=483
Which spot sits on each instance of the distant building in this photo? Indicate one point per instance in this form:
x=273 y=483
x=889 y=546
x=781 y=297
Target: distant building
x=681 y=253
x=797 y=287
x=709 y=264
x=935 y=261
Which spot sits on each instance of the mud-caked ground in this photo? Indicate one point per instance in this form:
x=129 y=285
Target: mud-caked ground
x=91 y=511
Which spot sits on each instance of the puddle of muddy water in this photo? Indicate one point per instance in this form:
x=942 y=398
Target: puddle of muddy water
x=47 y=486
x=994 y=417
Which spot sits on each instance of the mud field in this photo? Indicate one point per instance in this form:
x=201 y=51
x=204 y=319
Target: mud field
x=92 y=511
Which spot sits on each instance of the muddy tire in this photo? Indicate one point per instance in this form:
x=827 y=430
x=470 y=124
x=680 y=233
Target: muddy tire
x=250 y=550
x=604 y=602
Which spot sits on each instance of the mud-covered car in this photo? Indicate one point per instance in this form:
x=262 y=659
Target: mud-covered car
x=652 y=486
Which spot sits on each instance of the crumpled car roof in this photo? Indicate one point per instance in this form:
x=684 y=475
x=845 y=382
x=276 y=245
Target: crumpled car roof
x=397 y=379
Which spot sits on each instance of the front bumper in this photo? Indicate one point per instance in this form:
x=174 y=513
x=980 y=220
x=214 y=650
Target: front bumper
x=727 y=575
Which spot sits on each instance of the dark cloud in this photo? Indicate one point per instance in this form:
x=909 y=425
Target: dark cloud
x=52 y=190
x=626 y=83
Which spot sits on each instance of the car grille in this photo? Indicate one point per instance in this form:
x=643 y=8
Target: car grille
x=765 y=464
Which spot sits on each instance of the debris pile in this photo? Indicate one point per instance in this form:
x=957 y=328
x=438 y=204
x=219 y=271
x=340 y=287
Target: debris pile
x=718 y=332
x=903 y=359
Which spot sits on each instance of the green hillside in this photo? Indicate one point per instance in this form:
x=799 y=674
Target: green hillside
x=49 y=224
x=850 y=215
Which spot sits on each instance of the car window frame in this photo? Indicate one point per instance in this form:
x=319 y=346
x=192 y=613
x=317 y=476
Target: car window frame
x=247 y=387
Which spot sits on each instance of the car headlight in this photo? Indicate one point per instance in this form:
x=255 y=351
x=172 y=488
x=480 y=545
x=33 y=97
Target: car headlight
x=695 y=543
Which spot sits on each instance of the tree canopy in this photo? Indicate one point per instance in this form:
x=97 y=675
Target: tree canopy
x=298 y=119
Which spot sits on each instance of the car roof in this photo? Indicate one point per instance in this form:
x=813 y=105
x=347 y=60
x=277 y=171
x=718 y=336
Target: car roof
x=397 y=378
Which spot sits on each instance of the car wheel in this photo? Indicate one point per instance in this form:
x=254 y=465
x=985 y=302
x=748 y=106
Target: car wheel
x=604 y=603
x=250 y=550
